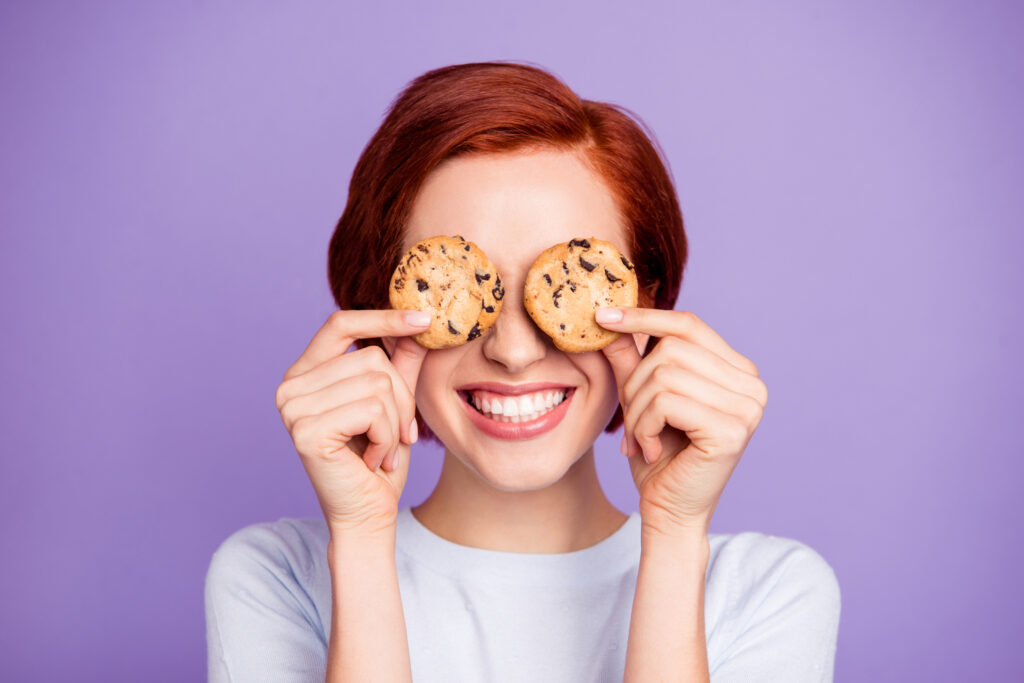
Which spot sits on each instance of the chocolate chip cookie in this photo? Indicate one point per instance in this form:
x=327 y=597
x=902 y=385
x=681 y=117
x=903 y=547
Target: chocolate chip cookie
x=568 y=282
x=454 y=281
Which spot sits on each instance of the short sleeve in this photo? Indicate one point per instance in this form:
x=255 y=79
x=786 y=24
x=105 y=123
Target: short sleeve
x=784 y=613
x=261 y=622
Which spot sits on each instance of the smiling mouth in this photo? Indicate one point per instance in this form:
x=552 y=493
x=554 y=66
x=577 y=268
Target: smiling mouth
x=516 y=409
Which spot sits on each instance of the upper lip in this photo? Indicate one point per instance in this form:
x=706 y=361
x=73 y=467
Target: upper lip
x=513 y=389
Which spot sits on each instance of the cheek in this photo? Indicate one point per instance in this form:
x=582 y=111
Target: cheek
x=434 y=381
x=600 y=380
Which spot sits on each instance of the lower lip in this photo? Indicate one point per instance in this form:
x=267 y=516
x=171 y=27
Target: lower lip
x=515 y=431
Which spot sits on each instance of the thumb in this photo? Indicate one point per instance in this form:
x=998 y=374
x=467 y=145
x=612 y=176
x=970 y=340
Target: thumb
x=407 y=359
x=623 y=356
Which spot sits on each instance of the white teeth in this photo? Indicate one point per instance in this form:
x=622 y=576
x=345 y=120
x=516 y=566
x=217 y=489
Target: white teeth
x=522 y=408
x=511 y=408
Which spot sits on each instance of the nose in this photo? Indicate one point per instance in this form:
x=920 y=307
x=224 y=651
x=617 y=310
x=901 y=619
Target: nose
x=514 y=341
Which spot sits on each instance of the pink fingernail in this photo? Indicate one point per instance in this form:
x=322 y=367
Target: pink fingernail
x=417 y=318
x=413 y=432
x=608 y=315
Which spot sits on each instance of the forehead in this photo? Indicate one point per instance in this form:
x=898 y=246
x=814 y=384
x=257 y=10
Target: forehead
x=515 y=205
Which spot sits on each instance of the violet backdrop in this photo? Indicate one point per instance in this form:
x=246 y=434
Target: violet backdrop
x=850 y=177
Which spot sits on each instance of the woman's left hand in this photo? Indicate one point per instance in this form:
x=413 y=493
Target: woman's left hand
x=690 y=406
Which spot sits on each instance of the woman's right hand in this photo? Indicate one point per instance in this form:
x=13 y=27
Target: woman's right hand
x=352 y=415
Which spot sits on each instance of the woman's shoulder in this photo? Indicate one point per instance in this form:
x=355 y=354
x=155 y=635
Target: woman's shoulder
x=752 y=574
x=752 y=558
x=291 y=550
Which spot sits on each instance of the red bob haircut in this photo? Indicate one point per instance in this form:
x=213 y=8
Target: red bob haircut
x=491 y=108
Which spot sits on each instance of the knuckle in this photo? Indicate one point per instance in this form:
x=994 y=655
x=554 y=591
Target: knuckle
x=288 y=415
x=671 y=344
x=762 y=393
x=375 y=407
x=281 y=396
x=376 y=356
x=751 y=411
x=381 y=382
x=662 y=401
x=689 y=319
x=663 y=373
x=301 y=432
x=737 y=433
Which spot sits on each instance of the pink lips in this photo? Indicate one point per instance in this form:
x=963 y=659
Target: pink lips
x=513 y=431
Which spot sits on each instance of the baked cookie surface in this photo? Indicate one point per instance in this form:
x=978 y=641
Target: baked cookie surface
x=568 y=282
x=453 y=280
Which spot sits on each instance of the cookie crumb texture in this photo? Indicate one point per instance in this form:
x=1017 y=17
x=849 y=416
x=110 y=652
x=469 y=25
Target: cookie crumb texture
x=456 y=282
x=568 y=282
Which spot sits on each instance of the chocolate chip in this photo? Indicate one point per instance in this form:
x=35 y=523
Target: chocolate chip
x=443 y=250
x=466 y=247
x=399 y=283
x=481 y=276
x=423 y=248
x=586 y=264
x=611 y=278
x=401 y=269
x=474 y=333
x=452 y=329
x=489 y=309
x=572 y=286
x=460 y=238
x=408 y=260
x=579 y=243
x=547 y=279
x=565 y=268
x=625 y=262
x=422 y=285
x=561 y=326
x=499 y=290
x=554 y=297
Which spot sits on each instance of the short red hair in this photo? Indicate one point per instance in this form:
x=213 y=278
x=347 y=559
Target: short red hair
x=490 y=108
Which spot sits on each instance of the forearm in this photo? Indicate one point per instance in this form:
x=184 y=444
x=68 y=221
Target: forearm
x=666 y=629
x=368 y=640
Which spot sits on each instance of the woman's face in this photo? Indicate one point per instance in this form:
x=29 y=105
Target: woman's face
x=514 y=206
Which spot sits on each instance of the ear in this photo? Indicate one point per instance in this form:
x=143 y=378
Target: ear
x=641 y=341
x=645 y=299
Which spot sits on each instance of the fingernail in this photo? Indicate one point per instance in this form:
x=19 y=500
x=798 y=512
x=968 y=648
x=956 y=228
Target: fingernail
x=622 y=445
x=394 y=460
x=413 y=432
x=418 y=318
x=608 y=315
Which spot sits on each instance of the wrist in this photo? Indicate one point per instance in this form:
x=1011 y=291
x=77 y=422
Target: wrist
x=656 y=521
x=347 y=543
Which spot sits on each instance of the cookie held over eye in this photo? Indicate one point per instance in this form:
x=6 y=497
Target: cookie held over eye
x=571 y=280
x=455 y=281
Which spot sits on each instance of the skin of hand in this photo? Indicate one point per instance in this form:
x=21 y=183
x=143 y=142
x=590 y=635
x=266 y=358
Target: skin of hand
x=690 y=408
x=351 y=415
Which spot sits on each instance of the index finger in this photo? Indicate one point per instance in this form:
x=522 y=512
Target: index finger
x=342 y=328
x=683 y=324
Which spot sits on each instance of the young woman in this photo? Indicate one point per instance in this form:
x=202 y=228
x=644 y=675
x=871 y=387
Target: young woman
x=516 y=567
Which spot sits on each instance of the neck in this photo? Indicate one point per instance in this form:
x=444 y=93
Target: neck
x=571 y=514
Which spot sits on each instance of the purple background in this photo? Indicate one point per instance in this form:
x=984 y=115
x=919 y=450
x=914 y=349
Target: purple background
x=849 y=176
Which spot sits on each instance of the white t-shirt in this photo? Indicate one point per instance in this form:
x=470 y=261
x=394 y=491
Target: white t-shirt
x=771 y=608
